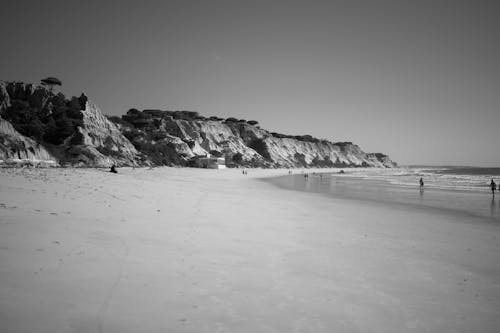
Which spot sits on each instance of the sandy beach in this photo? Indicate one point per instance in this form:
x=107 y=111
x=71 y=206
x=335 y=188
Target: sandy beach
x=193 y=250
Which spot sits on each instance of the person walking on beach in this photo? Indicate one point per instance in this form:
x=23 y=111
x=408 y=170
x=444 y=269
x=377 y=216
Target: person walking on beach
x=493 y=187
x=421 y=181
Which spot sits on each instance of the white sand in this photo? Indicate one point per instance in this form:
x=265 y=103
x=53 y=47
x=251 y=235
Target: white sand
x=191 y=250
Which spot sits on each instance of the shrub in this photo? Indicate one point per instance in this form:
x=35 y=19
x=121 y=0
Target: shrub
x=260 y=147
x=160 y=153
x=185 y=115
x=301 y=159
x=216 y=153
x=190 y=143
x=159 y=135
x=324 y=163
x=132 y=134
x=114 y=119
x=109 y=152
x=252 y=122
x=237 y=158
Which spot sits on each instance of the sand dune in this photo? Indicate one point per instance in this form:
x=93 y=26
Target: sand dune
x=192 y=250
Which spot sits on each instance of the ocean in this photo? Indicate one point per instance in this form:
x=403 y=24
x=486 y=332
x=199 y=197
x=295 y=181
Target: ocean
x=463 y=190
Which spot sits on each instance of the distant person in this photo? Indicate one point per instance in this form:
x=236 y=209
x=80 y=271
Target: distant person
x=421 y=181
x=113 y=169
x=493 y=187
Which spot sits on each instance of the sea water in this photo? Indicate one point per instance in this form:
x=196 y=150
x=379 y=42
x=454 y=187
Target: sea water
x=463 y=190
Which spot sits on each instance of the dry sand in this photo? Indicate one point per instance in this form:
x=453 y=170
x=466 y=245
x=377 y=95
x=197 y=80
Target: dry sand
x=191 y=250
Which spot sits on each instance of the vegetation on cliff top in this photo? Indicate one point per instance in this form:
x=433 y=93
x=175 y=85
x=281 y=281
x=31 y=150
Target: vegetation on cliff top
x=50 y=120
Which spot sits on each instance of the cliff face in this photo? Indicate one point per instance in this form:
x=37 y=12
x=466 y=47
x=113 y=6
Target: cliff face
x=98 y=142
x=241 y=143
x=16 y=148
x=39 y=125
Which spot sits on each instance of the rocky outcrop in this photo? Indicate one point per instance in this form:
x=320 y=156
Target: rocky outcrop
x=74 y=130
x=15 y=148
x=251 y=145
x=33 y=94
x=98 y=142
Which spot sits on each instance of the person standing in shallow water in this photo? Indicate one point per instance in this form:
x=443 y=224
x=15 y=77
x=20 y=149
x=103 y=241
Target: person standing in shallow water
x=421 y=181
x=493 y=187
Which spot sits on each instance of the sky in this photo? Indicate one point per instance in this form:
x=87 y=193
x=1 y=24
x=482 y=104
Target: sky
x=418 y=80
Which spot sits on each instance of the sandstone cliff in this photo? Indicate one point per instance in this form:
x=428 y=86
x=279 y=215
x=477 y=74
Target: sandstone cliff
x=38 y=125
x=98 y=142
x=18 y=149
x=189 y=135
x=72 y=131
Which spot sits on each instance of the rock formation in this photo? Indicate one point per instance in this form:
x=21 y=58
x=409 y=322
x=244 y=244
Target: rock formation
x=99 y=142
x=72 y=132
x=190 y=135
x=37 y=125
x=16 y=148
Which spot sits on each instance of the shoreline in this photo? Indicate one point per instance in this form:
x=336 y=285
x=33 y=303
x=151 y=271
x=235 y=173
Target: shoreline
x=214 y=250
x=474 y=204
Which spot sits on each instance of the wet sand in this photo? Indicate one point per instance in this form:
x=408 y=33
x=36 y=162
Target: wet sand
x=465 y=204
x=191 y=250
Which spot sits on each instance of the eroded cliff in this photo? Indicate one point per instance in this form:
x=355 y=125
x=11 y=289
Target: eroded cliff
x=39 y=125
x=188 y=135
x=72 y=131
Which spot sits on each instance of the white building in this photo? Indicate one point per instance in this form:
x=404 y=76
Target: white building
x=209 y=162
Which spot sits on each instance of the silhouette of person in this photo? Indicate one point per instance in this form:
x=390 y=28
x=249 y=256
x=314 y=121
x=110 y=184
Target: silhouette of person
x=421 y=181
x=493 y=187
x=113 y=169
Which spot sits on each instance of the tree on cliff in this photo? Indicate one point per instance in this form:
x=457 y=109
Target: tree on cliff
x=237 y=158
x=51 y=82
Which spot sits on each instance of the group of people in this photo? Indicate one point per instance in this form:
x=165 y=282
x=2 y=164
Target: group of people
x=493 y=185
